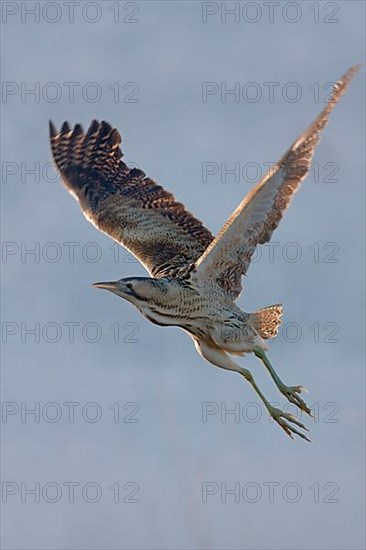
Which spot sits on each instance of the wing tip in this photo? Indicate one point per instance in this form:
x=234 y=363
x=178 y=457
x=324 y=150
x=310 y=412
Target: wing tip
x=342 y=84
x=78 y=130
x=104 y=127
x=354 y=68
x=350 y=73
x=93 y=128
x=52 y=128
x=65 y=128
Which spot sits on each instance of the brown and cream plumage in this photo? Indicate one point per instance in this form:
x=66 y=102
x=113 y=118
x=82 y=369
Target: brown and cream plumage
x=195 y=277
x=124 y=203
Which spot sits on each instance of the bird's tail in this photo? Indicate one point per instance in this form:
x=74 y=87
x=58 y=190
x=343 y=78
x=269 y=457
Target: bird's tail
x=267 y=320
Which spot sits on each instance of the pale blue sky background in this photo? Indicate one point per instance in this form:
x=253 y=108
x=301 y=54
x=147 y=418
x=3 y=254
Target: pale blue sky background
x=169 y=133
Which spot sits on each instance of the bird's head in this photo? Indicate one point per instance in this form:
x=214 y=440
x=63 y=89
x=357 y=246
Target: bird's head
x=137 y=290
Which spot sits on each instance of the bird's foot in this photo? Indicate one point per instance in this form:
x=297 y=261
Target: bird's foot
x=292 y=394
x=281 y=417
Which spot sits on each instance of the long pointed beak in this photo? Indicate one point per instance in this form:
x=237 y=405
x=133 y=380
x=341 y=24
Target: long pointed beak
x=112 y=285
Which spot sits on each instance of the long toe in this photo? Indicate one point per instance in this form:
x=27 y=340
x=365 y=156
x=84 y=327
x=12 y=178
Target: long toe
x=292 y=394
x=285 y=420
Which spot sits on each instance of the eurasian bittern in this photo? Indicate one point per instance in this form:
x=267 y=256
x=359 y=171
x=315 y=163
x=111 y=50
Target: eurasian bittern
x=195 y=278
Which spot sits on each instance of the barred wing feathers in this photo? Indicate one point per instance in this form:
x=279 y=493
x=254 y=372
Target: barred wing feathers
x=228 y=256
x=124 y=203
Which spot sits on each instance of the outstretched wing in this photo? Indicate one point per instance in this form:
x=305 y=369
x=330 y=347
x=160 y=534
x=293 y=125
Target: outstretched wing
x=124 y=203
x=228 y=256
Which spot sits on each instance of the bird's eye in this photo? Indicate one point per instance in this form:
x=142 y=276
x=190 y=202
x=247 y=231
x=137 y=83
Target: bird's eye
x=129 y=285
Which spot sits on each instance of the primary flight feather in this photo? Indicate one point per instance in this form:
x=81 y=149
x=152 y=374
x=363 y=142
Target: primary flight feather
x=195 y=278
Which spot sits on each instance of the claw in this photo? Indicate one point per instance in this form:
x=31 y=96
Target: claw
x=291 y=392
x=279 y=417
x=293 y=419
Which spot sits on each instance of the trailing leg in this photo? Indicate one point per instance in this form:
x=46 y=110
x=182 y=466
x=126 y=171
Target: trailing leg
x=219 y=358
x=291 y=392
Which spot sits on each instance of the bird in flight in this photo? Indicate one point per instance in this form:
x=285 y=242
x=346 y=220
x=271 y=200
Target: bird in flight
x=195 y=278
